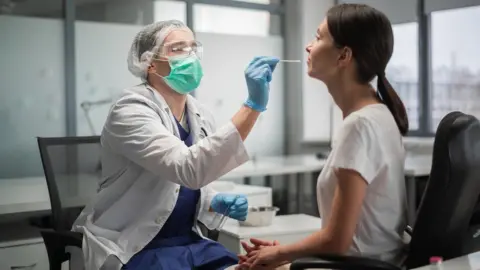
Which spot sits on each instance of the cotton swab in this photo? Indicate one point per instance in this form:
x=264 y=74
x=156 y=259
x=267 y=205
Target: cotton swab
x=290 y=61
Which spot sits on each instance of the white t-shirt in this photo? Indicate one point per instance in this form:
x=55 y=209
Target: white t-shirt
x=370 y=143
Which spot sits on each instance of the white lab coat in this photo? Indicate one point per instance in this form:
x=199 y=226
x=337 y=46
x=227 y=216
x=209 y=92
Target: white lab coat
x=144 y=164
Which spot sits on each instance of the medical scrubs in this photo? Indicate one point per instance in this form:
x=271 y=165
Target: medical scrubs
x=176 y=246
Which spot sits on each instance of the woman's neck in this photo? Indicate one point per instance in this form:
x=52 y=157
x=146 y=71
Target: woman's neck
x=175 y=101
x=351 y=97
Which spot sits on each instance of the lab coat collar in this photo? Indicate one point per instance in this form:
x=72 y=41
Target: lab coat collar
x=196 y=120
x=191 y=102
x=193 y=108
x=158 y=98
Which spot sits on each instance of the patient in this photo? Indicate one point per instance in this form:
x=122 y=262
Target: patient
x=361 y=190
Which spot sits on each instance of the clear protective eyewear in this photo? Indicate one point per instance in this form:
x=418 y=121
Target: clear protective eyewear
x=180 y=49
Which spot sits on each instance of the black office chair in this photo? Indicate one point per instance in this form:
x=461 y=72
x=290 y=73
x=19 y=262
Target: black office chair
x=72 y=169
x=443 y=226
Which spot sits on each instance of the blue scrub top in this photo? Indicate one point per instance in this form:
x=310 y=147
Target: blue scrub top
x=181 y=220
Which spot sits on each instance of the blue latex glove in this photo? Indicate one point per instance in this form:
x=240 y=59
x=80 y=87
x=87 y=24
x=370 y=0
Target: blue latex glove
x=258 y=76
x=235 y=206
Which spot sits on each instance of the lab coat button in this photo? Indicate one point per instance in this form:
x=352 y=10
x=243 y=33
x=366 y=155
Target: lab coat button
x=176 y=190
x=159 y=220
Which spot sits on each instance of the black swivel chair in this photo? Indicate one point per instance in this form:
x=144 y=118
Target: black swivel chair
x=72 y=169
x=445 y=224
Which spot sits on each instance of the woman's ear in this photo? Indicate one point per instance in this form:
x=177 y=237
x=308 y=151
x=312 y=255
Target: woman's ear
x=151 y=68
x=345 y=56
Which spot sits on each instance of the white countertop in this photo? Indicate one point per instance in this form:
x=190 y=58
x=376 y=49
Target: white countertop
x=20 y=195
x=282 y=225
x=415 y=165
x=30 y=194
x=418 y=164
x=280 y=165
x=468 y=262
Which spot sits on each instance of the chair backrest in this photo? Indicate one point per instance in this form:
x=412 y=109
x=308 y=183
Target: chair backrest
x=449 y=199
x=72 y=170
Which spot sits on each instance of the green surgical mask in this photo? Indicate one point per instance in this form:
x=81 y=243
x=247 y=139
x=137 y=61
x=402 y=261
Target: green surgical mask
x=185 y=74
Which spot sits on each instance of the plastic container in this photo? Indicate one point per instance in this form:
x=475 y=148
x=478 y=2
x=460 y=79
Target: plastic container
x=436 y=263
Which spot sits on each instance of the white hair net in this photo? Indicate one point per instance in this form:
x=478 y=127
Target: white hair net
x=147 y=43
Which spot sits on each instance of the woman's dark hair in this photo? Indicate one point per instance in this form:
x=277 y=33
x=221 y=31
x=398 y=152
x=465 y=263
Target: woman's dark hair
x=368 y=33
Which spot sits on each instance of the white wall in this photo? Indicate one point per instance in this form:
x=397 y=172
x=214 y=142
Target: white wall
x=32 y=84
x=317 y=102
x=223 y=88
x=101 y=69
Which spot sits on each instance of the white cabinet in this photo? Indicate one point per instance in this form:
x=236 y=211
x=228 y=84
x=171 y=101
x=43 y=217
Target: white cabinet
x=30 y=255
x=22 y=248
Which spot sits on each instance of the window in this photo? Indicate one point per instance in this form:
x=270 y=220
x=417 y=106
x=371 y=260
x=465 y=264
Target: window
x=170 y=10
x=32 y=8
x=32 y=82
x=402 y=70
x=237 y=21
x=130 y=11
x=455 y=68
x=265 y=2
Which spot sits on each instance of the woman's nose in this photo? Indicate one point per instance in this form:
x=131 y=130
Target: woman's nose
x=308 y=48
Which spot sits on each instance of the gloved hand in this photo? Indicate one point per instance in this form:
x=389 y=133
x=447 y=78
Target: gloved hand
x=258 y=76
x=232 y=205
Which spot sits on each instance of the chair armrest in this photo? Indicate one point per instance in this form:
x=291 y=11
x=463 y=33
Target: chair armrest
x=210 y=234
x=341 y=262
x=409 y=230
x=56 y=242
x=62 y=238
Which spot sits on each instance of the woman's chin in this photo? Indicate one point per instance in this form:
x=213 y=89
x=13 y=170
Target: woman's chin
x=310 y=73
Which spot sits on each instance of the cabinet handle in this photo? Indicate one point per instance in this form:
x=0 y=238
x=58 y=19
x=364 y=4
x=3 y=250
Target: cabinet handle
x=26 y=267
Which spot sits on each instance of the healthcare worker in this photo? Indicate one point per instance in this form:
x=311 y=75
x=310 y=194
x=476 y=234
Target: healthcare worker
x=160 y=150
x=361 y=190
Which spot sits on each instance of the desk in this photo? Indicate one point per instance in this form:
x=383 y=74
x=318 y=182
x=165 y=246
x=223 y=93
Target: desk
x=30 y=194
x=286 y=229
x=416 y=165
x=266 y=167
x=280 y=165
x=21 y=195
x=468 y=262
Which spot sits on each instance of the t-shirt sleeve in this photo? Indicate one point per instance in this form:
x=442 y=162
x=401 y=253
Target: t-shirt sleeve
x=357 y=148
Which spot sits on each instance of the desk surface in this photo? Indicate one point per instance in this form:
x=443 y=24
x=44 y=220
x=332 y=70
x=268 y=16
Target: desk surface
x=418 y=165
x=31 y=195
x=282 y=225
x=415 y=165
x=468 y=262
x=280 y=165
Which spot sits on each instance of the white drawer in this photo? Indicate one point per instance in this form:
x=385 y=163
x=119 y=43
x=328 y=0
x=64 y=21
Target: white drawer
x=24 y=257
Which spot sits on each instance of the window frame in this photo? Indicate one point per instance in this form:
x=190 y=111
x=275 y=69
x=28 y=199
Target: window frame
x=425 y=10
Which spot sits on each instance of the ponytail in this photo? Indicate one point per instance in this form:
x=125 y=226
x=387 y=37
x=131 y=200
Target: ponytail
x=387 y=95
